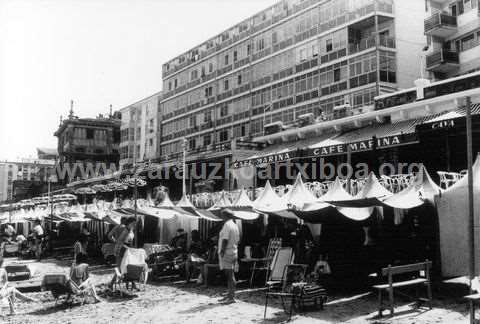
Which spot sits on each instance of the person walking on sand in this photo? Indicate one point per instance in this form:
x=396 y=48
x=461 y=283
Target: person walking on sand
x=228 y=253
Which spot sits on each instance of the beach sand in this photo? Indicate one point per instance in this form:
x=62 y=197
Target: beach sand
x=177 y=302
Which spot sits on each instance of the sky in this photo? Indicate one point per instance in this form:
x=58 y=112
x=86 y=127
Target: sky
x=94 y=52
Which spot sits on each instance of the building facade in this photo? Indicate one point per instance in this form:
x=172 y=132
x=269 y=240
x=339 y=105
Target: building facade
x=453 y=35
x=23 y=173
x=287 y=66
x=87 y=140
x=140 y=131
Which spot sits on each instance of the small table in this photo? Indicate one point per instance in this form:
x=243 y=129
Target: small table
x=254 y=267
x=473 y=301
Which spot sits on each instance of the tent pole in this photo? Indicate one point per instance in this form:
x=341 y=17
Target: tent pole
x=471 y=218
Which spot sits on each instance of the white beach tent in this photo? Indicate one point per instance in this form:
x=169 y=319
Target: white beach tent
x=422 y=189
x=452 y=207
x=268 y=201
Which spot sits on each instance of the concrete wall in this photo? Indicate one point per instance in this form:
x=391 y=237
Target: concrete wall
x=410 y=40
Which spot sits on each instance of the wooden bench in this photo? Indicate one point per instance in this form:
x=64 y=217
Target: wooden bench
x=404 y=269
x=473 y=300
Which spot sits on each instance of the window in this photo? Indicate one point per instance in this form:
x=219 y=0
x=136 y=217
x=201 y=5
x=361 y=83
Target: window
x=226 y=59
x=468 y=42
x=150 y=142
x=249 y=49
x=192 y=143
x=194 y=75
x=208 y=91
x=210 y=67
x=225 y=85
x=235 y=56
x=224 y=111
x=223 y=135
x=207 y=117
x=454 y=10
x=193 y=121
x=90 y=134
x=328 y=45
x=175 y=83
x=260 y=44
x=239 y=79
x=151 y=124
x=170 y=86
x=303 y=54
x=207 y=140
x=274 y=37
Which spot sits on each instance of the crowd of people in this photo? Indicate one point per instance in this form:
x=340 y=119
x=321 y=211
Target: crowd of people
x=34 y=244
x=225 y=245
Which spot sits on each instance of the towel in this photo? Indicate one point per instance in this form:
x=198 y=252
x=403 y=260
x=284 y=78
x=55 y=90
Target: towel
x=132 y=256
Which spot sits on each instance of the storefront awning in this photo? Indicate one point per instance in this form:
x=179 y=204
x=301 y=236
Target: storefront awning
x=281 y=152
x=371 y=137
x=450 y=119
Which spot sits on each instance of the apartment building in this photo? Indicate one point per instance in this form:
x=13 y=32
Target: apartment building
x=453 y=32
x=27 y=171
x=83 y=141
x=295 y=63
x=140 y=131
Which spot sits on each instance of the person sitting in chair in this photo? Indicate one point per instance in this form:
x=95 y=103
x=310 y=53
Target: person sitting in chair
x=9 y=232
x=10 y=293
x=80 y=246
x=179 y=242
x=79 y=276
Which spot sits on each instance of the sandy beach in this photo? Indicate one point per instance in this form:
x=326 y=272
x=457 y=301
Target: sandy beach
x=177 y=302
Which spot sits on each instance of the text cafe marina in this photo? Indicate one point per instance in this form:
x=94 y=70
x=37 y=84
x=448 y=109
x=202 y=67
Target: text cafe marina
x=342 y=148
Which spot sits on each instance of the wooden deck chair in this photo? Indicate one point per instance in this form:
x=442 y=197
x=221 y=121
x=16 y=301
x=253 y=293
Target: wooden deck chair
x=263 y=264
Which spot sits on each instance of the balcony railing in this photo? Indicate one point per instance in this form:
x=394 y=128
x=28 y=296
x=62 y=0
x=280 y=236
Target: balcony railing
x=442 y=61
x=370 y=42
x=441 y=25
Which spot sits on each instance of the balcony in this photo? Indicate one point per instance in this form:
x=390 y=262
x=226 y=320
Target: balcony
x=370 y=42
x=440 y=25
x=443 y=61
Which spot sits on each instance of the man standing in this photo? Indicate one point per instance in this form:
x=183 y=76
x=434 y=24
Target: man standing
x=228 y=253
x=37 y=233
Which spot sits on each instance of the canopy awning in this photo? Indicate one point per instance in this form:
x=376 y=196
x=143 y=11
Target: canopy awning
x=371 y=137
x=457 y=113
x=281 y=152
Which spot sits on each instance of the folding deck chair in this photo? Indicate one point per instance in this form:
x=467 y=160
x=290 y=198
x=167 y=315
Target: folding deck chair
x=282 y=258
x=133 y=269
x=59 y=284
x=263 y=264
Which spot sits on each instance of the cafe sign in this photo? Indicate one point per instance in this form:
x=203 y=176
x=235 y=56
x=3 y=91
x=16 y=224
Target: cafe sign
x=263 y=160
x=365 y=145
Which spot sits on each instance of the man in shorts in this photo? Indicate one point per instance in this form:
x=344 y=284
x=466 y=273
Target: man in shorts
x=228 y=253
